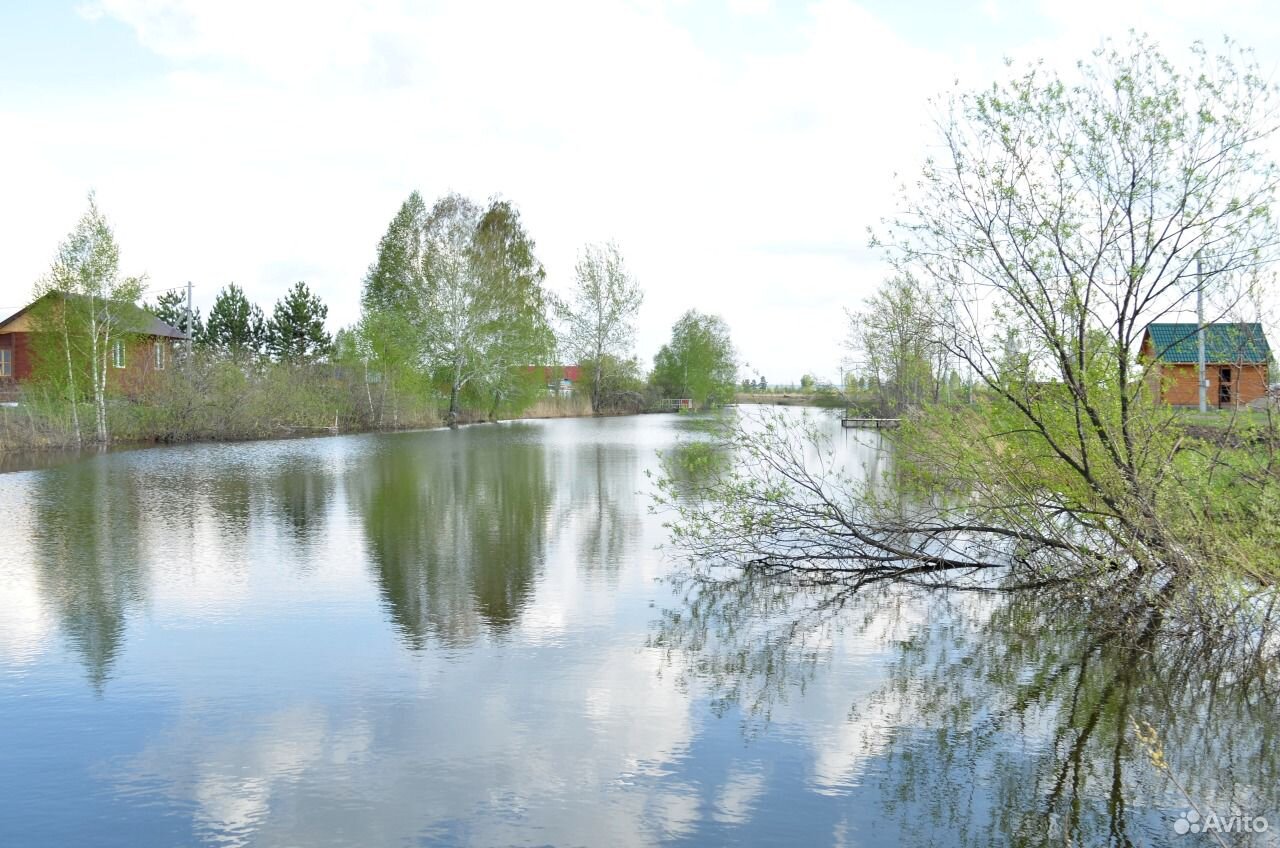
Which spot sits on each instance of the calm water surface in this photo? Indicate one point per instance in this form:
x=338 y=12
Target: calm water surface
x=469 y=638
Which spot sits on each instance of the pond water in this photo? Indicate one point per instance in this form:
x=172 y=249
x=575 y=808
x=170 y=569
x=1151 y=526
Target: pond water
x=472 y=638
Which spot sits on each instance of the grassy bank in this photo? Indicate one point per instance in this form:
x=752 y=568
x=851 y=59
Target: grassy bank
x=225 y=401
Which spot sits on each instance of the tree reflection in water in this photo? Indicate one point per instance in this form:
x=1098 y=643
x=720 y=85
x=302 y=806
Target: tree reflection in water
x=1010 y=718
x=88 y=556
x=456 y=532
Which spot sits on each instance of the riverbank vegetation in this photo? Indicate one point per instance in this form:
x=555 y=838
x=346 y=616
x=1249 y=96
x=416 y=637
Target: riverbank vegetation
x=1060 y=218
x=457 y=326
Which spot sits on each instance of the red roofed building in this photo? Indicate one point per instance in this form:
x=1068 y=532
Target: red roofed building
x=559 y=379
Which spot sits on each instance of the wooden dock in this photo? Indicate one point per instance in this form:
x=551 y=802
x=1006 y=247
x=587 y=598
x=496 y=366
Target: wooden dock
x=870 y=423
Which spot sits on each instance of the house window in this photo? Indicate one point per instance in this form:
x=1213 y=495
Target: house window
x=6 y=362
x=117 y=354
x=159 y=349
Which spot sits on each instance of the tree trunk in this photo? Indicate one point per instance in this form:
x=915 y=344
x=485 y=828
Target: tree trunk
x=100 y=354
x=595 y=387
x=71 y=381
x=453 y=406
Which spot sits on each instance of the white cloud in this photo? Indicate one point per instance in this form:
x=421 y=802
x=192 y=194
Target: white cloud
x=738 y=177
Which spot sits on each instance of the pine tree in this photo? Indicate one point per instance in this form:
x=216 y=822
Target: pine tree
x=296 y=331
x=236 y=327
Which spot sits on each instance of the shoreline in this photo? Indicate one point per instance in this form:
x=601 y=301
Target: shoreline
x=36 y=457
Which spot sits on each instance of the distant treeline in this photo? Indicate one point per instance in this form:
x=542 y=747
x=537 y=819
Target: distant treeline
x=457 y=325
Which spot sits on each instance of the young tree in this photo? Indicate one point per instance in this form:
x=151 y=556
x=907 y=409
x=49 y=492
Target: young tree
x=622 y=385
x=396 y=280
x=1061 y=218
x=96 y=308
x=237 y=328
x=296 y=331
x=895 y=340
x=601 y=314
x=519 y=332
x=455 y=315
x=390 y=336
x=698 y=362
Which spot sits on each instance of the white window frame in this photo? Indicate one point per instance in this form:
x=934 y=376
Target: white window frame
x=117 y=354
x=159 y=355
x=6 y=362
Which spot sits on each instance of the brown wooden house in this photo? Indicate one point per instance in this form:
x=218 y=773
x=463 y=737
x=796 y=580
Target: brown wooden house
x=1236 y=361
x=146 y=348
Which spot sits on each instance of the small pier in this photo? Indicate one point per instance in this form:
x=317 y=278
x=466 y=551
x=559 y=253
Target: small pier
x=869 y=423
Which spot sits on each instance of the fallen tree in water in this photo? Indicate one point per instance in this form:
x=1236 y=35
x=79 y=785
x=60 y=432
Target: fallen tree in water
x=1061 y=219
x=952 y=500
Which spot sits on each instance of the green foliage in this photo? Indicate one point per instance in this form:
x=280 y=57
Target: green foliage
x=622 y=386
x=214 y=397
x=456 y=293
x=600 y=316
x=1057 y=222
x=296 y=330
x=86 y=309
x=237 y=328
x=698 y=362
x=395 y=279
x=896 y=343
x=519 y=332
x=1046 y=300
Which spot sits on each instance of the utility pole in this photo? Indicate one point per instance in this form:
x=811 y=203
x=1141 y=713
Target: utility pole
x=1204 y=391
x=190 y=329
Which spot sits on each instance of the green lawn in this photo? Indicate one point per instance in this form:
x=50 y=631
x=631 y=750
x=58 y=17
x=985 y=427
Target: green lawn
x=1223 y=418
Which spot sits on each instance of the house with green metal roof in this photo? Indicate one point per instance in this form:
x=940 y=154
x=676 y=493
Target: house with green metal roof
x=1237 y=358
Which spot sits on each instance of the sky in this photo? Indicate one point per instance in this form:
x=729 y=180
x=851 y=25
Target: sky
x=737 y=151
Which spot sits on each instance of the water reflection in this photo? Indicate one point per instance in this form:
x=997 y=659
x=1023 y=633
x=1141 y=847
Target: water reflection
x=605 y=505
x=456 y=531
x=88 y=559
x=1003 y=719
x=299 y=495
x=440 y=638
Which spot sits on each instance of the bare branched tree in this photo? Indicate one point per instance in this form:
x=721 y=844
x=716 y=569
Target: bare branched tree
x=600 y=317
x=1062 y=218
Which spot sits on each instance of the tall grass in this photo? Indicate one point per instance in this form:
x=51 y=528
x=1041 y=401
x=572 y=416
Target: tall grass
x=208 y=399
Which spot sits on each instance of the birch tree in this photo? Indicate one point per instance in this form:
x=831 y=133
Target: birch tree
x=98 y=308
x=454 y=313
x=518 y=332
x=389 y=337
x=893 y=340
x=602 y=311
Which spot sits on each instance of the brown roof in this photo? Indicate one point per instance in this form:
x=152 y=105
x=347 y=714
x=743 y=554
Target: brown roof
x=144 y=322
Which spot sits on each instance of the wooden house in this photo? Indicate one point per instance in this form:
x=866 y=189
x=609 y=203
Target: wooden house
x=1236 y=361
x=145 y=348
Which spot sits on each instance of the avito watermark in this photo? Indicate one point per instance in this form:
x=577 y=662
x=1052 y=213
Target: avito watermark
x=1192 y=822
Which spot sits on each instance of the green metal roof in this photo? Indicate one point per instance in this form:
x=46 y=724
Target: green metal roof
x=1223 y=343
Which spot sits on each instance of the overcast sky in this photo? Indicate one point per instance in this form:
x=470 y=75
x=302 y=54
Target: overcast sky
x=736 y=150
